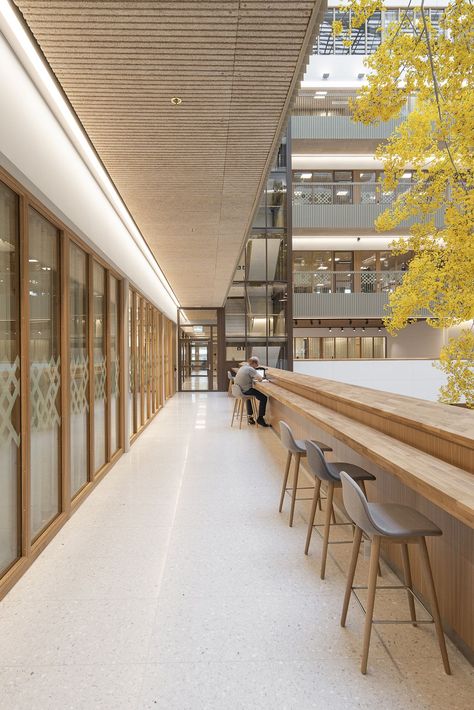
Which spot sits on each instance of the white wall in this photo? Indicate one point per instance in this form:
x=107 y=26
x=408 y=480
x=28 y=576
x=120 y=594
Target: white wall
x=414 y=378
x=417 y=340
x=36 y=151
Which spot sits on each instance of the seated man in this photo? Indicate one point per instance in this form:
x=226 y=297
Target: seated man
x=244 y=378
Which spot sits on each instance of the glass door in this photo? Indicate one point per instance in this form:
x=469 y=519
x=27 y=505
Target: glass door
x=198 y=351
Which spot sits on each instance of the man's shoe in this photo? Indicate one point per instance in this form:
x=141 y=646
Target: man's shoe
x=251 y=420
x=261 y=422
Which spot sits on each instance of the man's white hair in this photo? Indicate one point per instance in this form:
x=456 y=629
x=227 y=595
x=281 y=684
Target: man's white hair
x=253 y=359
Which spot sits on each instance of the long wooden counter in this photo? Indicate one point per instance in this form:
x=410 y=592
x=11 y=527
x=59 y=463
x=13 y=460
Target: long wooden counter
x=422 y=454
x=445 y=485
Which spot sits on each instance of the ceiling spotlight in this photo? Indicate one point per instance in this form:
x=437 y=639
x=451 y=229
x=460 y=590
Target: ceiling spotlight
x=311 y=321
x=380 y=329
x=358 y=239
x=330 y=330
x=350 y=322
x=354 y=330
x=326 y=76
x=363 y=330
x=296 y=322
x=361 y=75
x=342 y=330
x=176 y=101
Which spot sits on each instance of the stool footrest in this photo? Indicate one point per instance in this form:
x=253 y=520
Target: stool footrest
x=395 y=621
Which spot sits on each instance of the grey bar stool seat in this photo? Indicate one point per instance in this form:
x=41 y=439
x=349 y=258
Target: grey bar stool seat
x=240 y=410
x=391 y=523
x=296 y=448
x=328 y=473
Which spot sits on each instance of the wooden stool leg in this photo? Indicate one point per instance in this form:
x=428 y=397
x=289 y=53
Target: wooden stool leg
x=369 y=614
x=362 y=485
x=295 y=486
x=351 y=573
x=425 y=560
x=333 y=515
x=327 y=525
x=285 y=481
x=312 y=515
x=255 y=410
x=408 y=581
x=233 y=412
x=241 y=402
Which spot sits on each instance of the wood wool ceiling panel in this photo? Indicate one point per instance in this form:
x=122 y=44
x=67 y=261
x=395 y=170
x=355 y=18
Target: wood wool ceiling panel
x=190 y=174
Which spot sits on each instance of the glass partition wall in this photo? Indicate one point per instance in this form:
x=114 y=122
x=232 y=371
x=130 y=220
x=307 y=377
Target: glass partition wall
x=152 y=361
x=62 y=348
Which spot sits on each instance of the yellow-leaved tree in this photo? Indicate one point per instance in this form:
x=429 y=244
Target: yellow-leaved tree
x=436 y=141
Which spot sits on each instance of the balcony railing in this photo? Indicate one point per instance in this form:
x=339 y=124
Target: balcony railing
x=346 y=282
x=344 y=193
x=346 y=205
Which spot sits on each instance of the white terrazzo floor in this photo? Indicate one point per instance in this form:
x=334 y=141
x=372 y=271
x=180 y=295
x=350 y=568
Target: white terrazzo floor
x=177 y=585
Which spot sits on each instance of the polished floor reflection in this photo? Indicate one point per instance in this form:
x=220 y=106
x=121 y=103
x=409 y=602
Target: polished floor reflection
x=177 y=586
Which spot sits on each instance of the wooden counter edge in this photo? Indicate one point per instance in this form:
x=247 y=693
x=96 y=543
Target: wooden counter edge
x=443 y=499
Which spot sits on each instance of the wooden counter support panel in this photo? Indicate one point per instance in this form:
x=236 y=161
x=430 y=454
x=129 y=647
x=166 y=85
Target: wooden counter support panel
x=406 y=474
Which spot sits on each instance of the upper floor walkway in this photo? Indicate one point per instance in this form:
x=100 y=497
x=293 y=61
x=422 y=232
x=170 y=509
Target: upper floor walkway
x=178 y=586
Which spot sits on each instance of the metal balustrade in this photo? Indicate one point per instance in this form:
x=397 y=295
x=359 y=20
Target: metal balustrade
x=344 y=193
x=347 y=205
x=336 y=125
x=346 y=282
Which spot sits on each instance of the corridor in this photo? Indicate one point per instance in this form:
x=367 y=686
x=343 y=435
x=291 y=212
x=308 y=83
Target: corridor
x=178 y=586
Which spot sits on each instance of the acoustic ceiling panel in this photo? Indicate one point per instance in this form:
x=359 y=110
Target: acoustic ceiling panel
x=190 y=174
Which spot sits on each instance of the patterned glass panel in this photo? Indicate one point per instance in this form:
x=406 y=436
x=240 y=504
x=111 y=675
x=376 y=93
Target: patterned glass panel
x=9 y=380
x=44 y=372
x=114 y=366
x=138 y=362
x=131 y=367
x=78 y=368
x=100 y=366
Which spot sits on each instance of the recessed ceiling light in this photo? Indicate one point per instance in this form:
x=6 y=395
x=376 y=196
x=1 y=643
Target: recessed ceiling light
x=320 y=93
x=176 y=100
x=306 y=176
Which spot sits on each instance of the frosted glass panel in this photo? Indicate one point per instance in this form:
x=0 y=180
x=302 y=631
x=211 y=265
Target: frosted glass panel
x=44 y=372
x=78 y=368
x=100 y=367
x=9 y=380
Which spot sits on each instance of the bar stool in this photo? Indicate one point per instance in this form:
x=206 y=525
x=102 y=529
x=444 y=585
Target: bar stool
x=240 y=406
x=392 y=523
x=296 y=448
x=230 y=377
x=329 y=473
